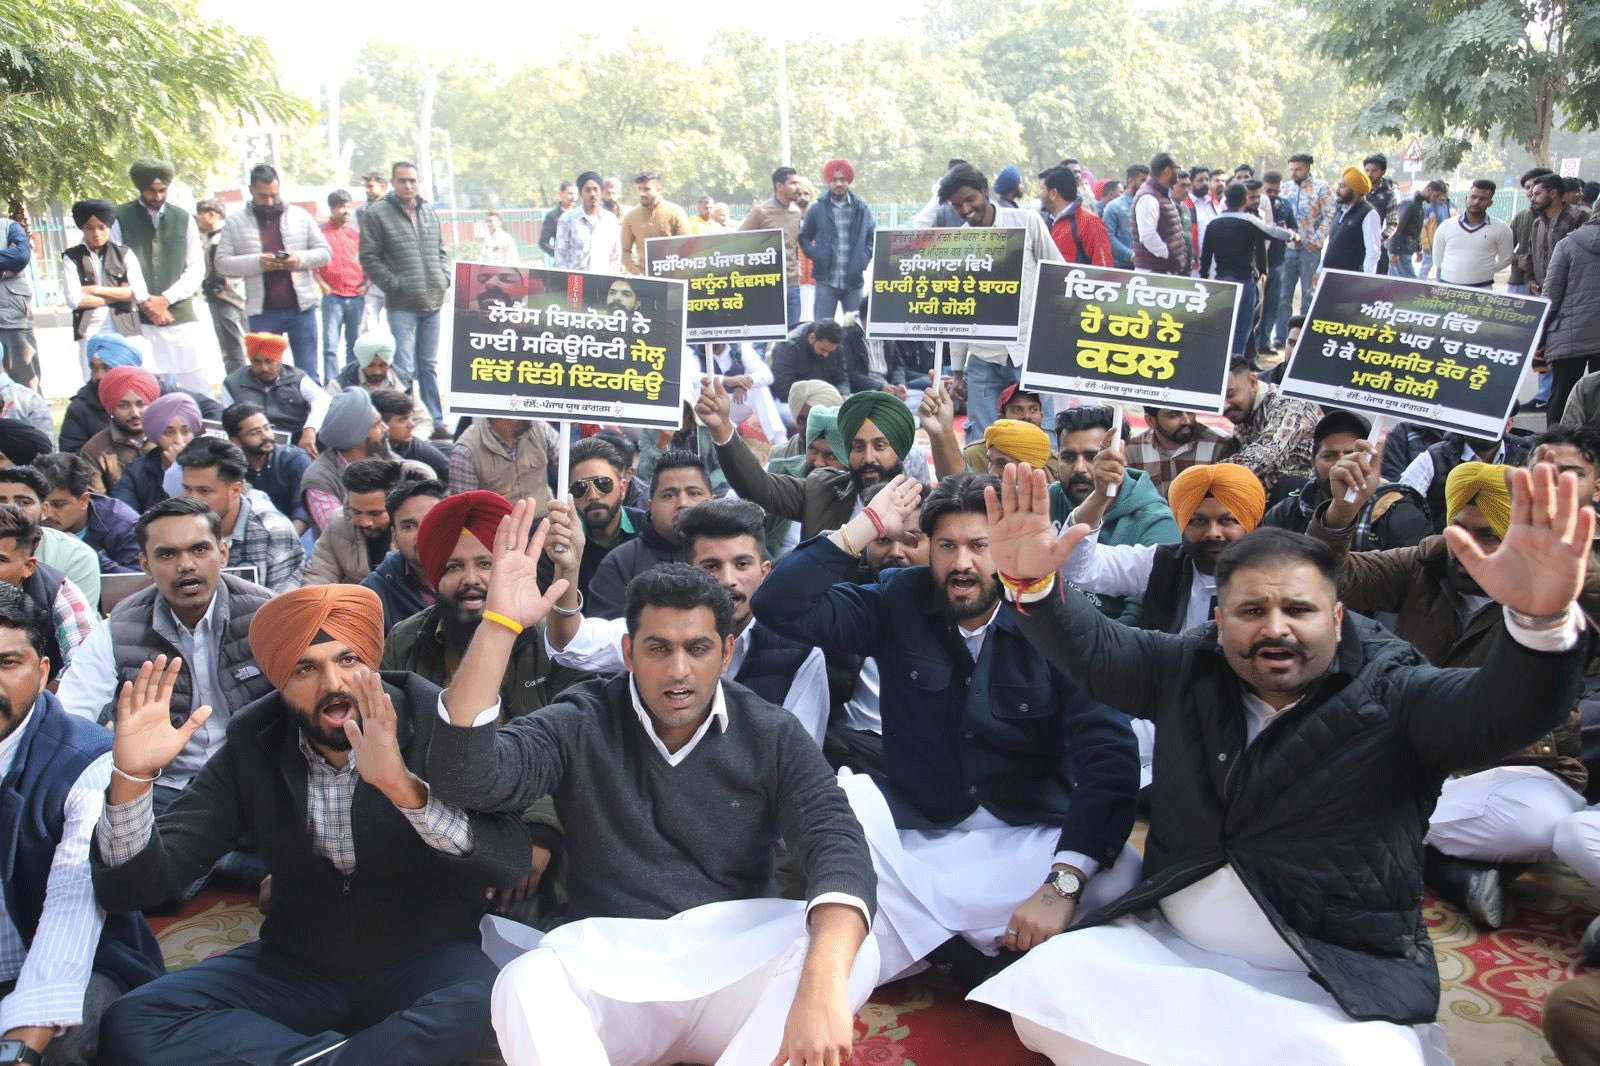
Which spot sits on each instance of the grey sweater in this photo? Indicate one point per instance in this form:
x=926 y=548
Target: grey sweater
x=649 y=840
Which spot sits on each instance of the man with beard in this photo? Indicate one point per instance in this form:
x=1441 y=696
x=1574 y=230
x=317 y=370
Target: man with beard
x=358 y=537
x=680 y=482
x=351 y=432
x=810 y=353
x=1430 y=470
x=291 y=398
x=621 y=296
x=1272 y=433
x=86 y=415
x=373 y=369
x=276 y=471
x=1213 y=506
x=400 y=580
x=1490 y=822
x=589 y=237
x=254 y=532
x=72 y=616
x=1396 y=515
x=1171 y=442
x=172 y=421
x=1019 y=406
x=653 y=217
x=992 y=761
x=167 y=243
x=1135 y=515
x=877 y=430
x=371 y=949
x=65 y=960
x=192 y=610
x=275 y=247
x=725 y=539
x=453 y=546
x=1355 y=236
x=599 y=483
x=124 y=393
x=1301 y=749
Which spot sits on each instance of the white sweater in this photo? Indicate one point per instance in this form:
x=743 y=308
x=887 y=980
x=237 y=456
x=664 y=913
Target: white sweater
x=1471 y=257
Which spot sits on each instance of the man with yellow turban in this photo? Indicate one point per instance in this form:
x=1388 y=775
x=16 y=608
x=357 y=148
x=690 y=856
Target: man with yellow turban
x=877 y=431
x=1213 y=506
x=1517 y=812
x=1019 y=405
x=372 y=946
x=1355 y=238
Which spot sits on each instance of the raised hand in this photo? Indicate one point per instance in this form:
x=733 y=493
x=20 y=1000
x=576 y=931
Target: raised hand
x=564 y=538
x=1022 y=540
x=896 y=505
x=1540 y=564
x=937 y=411
x=1352 y=481
x=714 y=407
x=1110 y=465
x=374 y=740
x=145 y=739
x=514 y=581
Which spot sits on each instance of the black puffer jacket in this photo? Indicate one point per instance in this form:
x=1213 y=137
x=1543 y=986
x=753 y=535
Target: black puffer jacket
x=1323 y=816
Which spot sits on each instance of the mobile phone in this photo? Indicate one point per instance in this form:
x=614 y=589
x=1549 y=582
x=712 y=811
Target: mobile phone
x=280 y=255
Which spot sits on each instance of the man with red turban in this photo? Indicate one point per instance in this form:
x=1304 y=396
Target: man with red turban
x=453 y=546
x=377 y=885
x=124 y=392
x=836 y=235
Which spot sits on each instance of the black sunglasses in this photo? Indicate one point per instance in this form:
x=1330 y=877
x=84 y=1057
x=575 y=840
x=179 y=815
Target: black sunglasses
x=602 y=485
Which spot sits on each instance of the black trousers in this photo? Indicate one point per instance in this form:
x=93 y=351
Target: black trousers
x=255 y=1005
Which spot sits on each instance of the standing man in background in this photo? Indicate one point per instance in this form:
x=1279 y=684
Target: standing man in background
x=342 y=284
x=167 y=244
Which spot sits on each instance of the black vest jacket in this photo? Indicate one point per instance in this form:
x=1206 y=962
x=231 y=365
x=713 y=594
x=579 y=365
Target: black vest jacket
x=115 y=275
x=1166 y=595
x=770 y=664
x=1347 y=248
x=286 y=409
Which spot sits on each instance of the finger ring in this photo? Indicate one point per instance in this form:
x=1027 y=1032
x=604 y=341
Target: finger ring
x=1011 y=932
x=559 y=549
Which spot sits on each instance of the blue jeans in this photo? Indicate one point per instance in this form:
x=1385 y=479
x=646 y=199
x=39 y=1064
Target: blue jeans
x=792 y=295
x=1405 y=268
x=301 y=329
x=1269 y=307
x=416 y=354
x=829 y=299
x=339 y=313
x=1298 y=267
x=1244 y=318
x=985 y=382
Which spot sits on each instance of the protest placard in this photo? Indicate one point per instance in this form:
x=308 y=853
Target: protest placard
x=735 y=282
x=959 y=283
x=1150 y=339
x=1439 y=355
x=560 y=344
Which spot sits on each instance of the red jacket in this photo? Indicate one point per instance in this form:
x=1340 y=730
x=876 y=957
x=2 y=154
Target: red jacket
x=1091 y=233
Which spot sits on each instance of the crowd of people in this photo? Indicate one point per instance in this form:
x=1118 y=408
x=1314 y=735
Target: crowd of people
x=860 y=671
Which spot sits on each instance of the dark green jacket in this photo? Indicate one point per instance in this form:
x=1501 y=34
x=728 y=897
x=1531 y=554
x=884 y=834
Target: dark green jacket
x=409 y=263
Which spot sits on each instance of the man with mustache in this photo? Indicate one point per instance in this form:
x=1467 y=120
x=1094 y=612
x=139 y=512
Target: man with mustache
x=600 y=482
x=992 y=760
x=1490 y=822
x=291 y=398
x=1171 y=442
x=725 y=538
x=275 y=471
x=357 y=537
x=453 y=545
x=1016 y=405
x=400 y=580
x=125 y=393
x=1301 y=749
x=371 y=951
x=678 y=483
x=1271 y=432
x=877 y=430
x=373 y=370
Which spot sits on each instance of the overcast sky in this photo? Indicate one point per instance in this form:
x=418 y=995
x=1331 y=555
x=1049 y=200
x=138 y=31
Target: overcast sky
x=313 y=49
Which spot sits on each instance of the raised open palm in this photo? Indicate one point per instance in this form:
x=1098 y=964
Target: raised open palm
x=1022 y=541
x=514 y=582
x=1540 y=564
x=145 y=739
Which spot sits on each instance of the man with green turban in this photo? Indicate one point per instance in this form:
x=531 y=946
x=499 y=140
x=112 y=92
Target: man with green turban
x=167 y=243
x=876 y=429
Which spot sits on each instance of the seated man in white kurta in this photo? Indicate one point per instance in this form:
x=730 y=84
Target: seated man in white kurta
x=1301 y=749
x=673 y=787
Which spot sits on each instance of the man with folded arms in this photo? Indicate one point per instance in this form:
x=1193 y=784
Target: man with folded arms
x=370 y=952
x=1302 y=747
x=673 y=787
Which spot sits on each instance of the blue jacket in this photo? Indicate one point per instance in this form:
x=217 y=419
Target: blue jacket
x=391 y=580
x=53 y=752
x=110 y=532
x=1118 y=217
x=17 y=252
x=1009 y=732
x=140 y=487
x=819 y=239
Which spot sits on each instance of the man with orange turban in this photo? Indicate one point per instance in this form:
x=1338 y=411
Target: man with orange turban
x=1213 y=506
x=377 y=885
x=836 y=235
x=124 y=393
x=291 y=398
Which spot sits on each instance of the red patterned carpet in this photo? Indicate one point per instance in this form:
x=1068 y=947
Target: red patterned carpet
x=1494 y=985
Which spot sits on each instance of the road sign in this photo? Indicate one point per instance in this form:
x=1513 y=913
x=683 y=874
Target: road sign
x=1569 y=167
x=1413 y=152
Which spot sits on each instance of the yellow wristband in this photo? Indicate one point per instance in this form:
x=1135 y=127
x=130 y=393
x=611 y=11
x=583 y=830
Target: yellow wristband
x=851 y=548
x=500 y=619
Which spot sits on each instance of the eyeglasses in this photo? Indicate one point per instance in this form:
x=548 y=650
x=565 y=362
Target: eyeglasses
x=602 y=485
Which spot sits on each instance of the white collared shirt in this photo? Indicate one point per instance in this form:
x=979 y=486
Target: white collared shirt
x=52 y=976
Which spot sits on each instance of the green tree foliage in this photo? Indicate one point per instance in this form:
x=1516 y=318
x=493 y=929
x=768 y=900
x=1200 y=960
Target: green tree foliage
x=88 y=85
x=1467 y=71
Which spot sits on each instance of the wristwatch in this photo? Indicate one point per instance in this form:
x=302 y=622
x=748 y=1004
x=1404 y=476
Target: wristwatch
x=1067 y=883
x=16 y=1051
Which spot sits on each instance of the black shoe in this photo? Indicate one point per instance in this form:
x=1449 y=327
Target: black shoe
x=1470 y=886
x=1534 y=406
x=965 y=965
